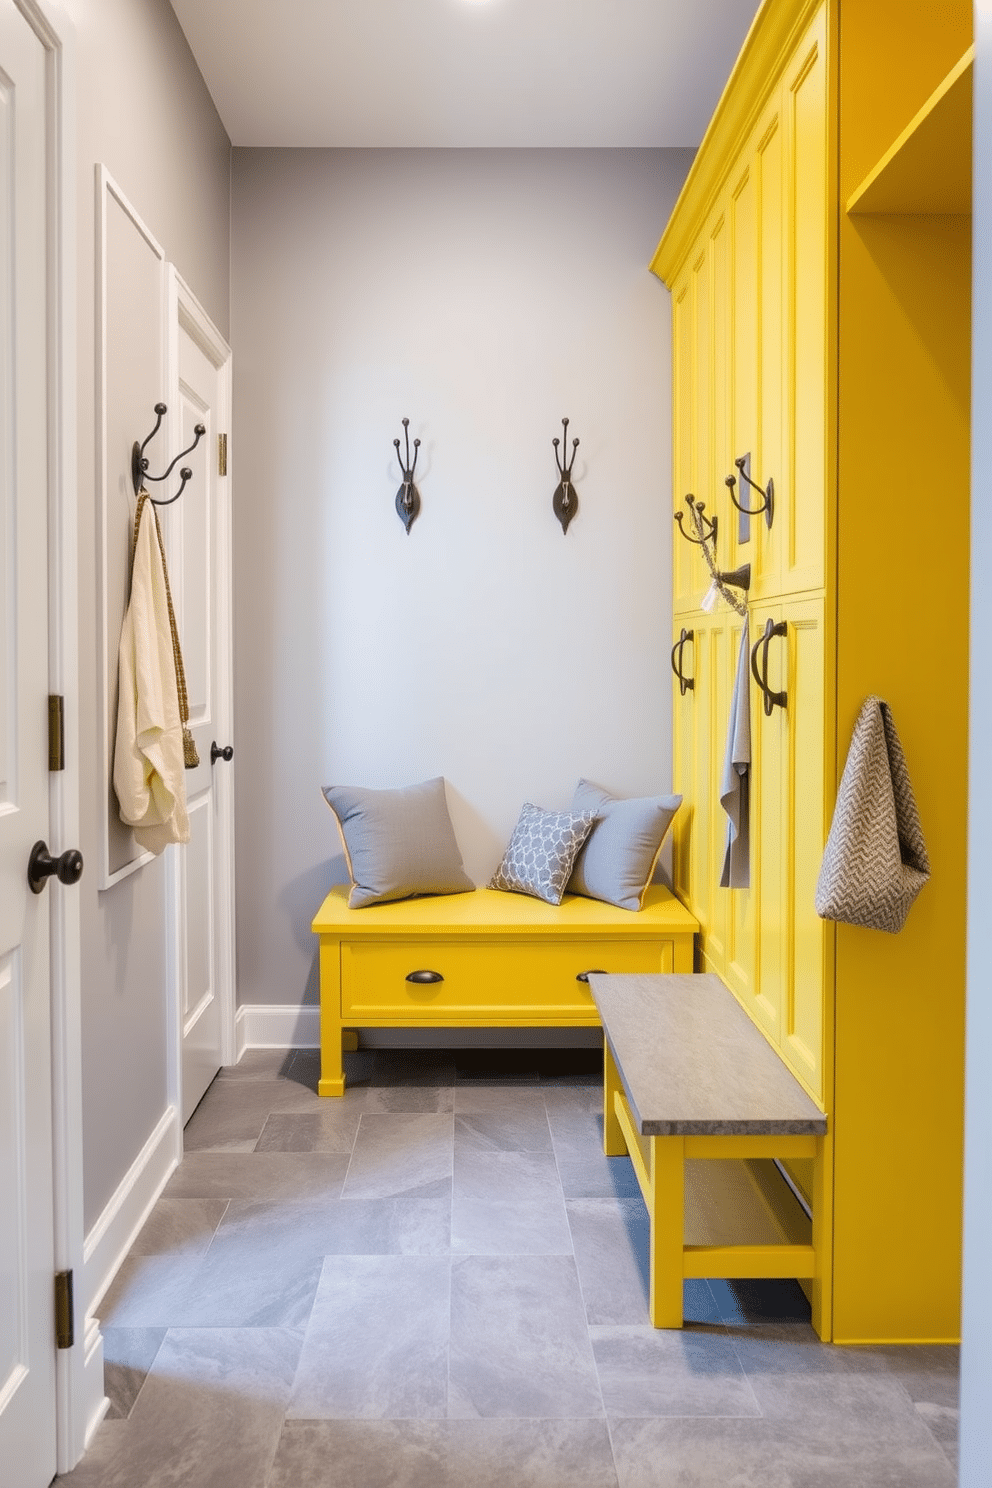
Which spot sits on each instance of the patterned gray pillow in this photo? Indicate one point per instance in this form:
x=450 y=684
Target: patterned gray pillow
x=397 y=842
x=540 y=854
x=617 y=862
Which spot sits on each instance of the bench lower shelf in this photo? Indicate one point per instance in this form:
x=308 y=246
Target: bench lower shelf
x=717 y=1205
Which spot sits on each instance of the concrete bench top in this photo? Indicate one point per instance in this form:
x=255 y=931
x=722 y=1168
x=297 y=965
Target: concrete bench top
x=693 y=1064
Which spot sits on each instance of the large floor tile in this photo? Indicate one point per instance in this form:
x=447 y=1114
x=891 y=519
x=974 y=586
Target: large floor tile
x=524 y=1227
x=928 y=1372
x=377 y=1342
x=274 y=1234
x=645 y=1371
x=519 y=1344
x=498 y=1099
x=331 y=1128
x=128 y=1354
x=519 y=1130
x=792 y=1347
x=161 y=1292
x=397 y=1154
x=746 y=1303
x=234 y=1112
x=409 y=1099
x=611 y=1239
x=755 y=1453
x=505 y=1177
x=586 y=1172
x=429 y=1067
x=444 y=1454
x=179 y=1227
x=259 y=1175
x=260 y=1064
x=209 y=1415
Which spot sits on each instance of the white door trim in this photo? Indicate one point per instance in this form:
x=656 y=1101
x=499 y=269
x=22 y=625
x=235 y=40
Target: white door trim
x=184 y=309
x=75 y=1415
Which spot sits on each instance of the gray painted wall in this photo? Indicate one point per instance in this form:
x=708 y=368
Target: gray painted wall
x=484 y=295
x=144 y=112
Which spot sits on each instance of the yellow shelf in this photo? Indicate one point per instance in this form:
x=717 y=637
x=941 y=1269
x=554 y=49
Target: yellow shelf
x=928 y=168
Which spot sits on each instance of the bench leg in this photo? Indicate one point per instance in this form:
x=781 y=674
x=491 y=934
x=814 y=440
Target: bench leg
x=331 y=1064
x=614 y=1144
x=666 y=1213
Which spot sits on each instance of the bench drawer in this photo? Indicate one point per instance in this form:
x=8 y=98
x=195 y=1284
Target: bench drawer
x=511 y=983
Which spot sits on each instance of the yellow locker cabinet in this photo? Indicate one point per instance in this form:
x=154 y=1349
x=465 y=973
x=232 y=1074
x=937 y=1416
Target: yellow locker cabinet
x=819 y=264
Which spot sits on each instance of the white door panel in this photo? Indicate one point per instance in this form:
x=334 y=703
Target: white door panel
x=27 y=1342
x=199 y=541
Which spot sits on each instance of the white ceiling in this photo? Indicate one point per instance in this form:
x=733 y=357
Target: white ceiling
x=438 y=73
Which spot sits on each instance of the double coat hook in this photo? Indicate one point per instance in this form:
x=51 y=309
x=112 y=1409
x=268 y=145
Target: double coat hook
x=565 y=502
x=767 y=492
x=725 y=581
x=407 y=497
x=139 y=464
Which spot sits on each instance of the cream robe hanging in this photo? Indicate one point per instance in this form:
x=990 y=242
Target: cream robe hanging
x=149 y=771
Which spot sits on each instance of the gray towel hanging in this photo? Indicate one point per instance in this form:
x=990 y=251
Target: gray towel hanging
x=735 y=784
x=875 y=861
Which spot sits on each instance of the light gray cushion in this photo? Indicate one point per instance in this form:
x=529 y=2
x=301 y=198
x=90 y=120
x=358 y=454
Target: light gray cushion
x=397 y=842
x=540 y=854
x=620 y=853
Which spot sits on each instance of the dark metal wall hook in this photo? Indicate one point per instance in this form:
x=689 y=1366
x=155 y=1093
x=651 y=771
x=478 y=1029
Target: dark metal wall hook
x=139 y=464
x=739 y=578
x=771 y=699
x=697 y=508
x=767 y=492
x=407 y=497
x=565 y=502
x=686 y=684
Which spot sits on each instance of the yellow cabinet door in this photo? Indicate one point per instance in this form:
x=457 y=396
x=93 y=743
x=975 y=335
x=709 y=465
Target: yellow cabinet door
x=685 y=712
x=789 y=992
x=766 y=994
x=804 y=478
x=701 y=720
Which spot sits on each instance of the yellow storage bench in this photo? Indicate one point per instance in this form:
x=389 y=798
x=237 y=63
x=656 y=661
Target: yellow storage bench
x=484 y=959
x=688 y=1076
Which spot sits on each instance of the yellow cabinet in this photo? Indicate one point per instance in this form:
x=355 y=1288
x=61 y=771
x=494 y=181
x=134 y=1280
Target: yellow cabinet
x=750 y=329
x=819 y=263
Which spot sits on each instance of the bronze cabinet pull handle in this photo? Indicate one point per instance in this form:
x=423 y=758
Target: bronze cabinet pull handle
x=424 y=978
x=584 y=976
x=685 y=683
x=771 y=699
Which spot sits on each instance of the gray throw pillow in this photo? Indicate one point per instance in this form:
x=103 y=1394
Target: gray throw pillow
x=540 y=854
x=620 y=853
x=397 y=842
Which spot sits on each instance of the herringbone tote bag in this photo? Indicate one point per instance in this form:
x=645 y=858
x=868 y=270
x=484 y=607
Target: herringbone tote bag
x=875 y=862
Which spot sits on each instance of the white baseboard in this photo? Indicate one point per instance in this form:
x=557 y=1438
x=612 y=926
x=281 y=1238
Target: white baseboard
x=110 y=1239
x=275 y=1026
x=94 y=1402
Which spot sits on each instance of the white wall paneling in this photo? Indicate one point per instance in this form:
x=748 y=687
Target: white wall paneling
x=131 y=379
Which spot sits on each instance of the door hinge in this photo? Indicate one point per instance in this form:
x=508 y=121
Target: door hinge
x=64 y=1330
x=56 y=733
x=221 y=454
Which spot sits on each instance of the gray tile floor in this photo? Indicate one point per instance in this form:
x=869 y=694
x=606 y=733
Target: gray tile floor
x=440 y=1282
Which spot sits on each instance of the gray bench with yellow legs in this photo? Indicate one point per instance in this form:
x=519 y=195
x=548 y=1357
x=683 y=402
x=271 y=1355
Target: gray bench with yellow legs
x=704 y=1106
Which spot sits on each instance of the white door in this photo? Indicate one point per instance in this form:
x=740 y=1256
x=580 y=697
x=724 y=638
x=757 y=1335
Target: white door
x=200 y=542
x=27 y=1338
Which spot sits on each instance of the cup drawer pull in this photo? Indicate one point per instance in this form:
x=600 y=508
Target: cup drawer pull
x=424 y=978
x=584 y=976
